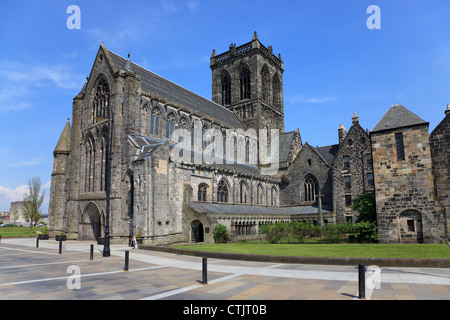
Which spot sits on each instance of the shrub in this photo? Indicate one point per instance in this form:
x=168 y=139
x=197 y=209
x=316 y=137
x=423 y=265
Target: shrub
x=297 y=232
x=221 y=234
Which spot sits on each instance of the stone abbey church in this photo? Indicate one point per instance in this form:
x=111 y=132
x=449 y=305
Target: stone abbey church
x=178 y=164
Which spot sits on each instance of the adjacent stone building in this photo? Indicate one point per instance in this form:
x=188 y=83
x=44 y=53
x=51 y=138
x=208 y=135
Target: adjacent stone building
x=440 y=155
x=176 y=164
x=352 y=170
x=407 y=207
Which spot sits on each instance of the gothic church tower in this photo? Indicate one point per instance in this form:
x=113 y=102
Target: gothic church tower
x=249 y=81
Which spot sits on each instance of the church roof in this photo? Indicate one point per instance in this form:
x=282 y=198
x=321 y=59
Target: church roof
x=398 y=117
x=175 y=93
x=328 y=153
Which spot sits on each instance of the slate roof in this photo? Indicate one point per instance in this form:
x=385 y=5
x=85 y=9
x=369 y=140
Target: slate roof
x=169 y=90
x=219 y=208
x=397 y=117
x=328 y=153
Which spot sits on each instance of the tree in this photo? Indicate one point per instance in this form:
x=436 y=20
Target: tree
x=32 y=201
x=365 y=205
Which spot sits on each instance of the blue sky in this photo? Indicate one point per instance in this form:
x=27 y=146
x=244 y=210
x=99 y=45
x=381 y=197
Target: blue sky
x=334 y=64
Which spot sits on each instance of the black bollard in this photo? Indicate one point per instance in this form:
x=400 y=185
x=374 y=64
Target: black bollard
x=92 y=253
x=60 y=246
x=0 y=238
x=362 y=281
x=127 y=258
x=204 y=271
x=37 y=242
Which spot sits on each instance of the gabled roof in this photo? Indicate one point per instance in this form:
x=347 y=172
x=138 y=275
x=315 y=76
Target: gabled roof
x=285 y=144
x=398 y=117
x=173 y=92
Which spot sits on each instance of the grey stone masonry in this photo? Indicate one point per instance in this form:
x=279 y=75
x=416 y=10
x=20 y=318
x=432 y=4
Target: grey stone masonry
x=352 y=170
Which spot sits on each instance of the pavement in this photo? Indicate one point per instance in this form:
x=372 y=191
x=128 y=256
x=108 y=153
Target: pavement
x=30 y=273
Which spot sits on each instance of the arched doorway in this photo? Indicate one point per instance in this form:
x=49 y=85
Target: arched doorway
x=197 y=233
x=92 y=222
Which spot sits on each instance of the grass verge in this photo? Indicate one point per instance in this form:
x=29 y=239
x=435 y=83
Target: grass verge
x=20 y=232
x=331 y=250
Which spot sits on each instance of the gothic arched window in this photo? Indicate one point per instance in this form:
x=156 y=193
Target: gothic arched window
x=226 y=89
x=273 y=196
x=259 y=194
x=222 y=191
x=154 y=121
x=202 y=192
x=89 y=165
x=276 y=88
x=265 y=78
x=100 y=103
x=311 y=188
x=243 y=192
x=182 y=125
x=170 y=126
x=244 y=80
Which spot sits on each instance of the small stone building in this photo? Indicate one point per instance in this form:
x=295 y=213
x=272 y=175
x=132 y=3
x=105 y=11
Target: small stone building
x=407 y=206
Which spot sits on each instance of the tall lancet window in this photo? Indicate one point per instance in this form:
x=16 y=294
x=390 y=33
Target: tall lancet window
x=100 y=103
x=226 y=89
x=276 y=89
x=265 y=78
x=245 y=88
x=154 y=121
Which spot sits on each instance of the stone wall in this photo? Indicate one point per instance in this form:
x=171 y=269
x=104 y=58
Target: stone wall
x=440 y=154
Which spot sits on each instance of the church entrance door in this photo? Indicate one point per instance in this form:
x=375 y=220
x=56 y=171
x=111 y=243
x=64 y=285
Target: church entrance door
x=92 y=222
x=197 y=231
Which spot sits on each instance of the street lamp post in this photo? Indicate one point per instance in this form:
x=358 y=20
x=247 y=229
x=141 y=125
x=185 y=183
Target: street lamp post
x=106 y=248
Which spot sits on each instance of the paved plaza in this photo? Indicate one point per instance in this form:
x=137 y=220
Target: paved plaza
x=42 y=273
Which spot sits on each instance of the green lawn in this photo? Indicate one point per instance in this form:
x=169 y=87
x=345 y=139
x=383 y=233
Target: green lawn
x=332 y=250
x=22 y=232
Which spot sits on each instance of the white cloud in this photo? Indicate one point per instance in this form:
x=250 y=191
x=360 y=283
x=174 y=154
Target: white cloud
x=8 y=195
x=38 y=74
x=17 y=80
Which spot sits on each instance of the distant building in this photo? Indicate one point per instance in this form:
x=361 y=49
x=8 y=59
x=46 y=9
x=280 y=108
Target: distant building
x=4 y=217
x=16 y=215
